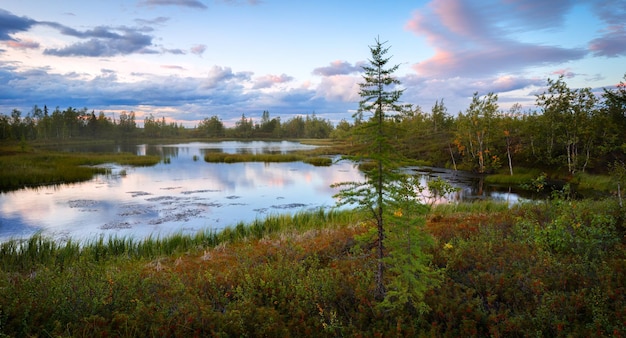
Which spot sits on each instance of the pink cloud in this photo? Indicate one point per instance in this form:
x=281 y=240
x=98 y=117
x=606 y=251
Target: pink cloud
x=172 y=67
x=342 y=88
x=611 y=44
x=612 y=41
x=22 y=44
x=566 y=72
x=198 y=49
x=469 y=38
x=270 y=80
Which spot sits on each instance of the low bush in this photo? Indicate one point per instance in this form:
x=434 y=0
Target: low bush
x=549 y=269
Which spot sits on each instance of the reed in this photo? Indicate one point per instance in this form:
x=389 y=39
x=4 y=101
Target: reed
x=267 y=158
x=234 y=158
x=519 y=177
x=585 y=181
x=475 y=207
x=319 y=161
x=35 y=168
x=38 y=250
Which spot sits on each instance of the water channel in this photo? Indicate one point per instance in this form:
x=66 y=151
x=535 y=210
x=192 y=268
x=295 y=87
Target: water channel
x=188 y=195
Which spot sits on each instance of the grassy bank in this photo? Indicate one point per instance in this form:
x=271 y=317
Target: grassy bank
x=551 y=269
x=291 y=157
x=582 y=182
x=520 y=176
x=34 y=167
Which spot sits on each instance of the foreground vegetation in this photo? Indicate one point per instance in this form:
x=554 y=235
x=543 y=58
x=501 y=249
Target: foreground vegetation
x=553 y=268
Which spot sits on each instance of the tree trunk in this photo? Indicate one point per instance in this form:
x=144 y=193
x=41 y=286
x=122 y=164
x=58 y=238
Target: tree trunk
x=508 y=154
x=452 y=156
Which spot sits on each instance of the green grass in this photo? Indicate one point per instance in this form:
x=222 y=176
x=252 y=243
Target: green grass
x=37 y=167
x=267 y=158
x=25 y=255
x=585 y=181
x=520 y=176
x=477 y=207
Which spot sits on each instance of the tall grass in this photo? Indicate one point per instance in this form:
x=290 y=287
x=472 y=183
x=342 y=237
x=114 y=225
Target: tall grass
x=507 y=273
x=267 y=158
x=28 y=169
x=520 y=176
x=26 y=255
x=594 y=182
x=476 y=207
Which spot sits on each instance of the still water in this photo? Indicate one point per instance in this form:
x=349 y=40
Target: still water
x=187 y=194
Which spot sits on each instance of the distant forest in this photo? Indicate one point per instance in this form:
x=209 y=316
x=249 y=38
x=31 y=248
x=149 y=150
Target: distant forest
x=572 y=130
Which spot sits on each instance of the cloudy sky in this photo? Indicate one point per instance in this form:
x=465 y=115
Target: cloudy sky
x=191 y=59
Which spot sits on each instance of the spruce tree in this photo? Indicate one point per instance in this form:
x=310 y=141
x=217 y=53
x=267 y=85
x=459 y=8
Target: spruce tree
x=387 y=194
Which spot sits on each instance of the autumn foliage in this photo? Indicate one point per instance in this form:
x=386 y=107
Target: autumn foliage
x=549 y=269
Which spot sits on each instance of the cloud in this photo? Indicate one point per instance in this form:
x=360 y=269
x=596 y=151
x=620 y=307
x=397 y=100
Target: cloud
x=198 y=49
x=469 y=38
x=611 y=44
x=102 y=40
x=22 y=44
x=458 y=91
x=566 y=72
x=175 y=51
x=172 y=67
x=222 y=92
x=268 y=81
x=218 y=76
x=338 y=67
x=181 y=3
x=343 y=88
x=10 y=24
x=105 y=41
x=238 y=2
x=156 y=21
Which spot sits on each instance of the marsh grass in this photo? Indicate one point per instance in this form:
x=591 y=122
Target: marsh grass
x=585 y=181
x=234 y=158
x=532 y=268
x=25 y=255
x=267 y=158
x=476 y=207
x=36 y=168
x=520 y=176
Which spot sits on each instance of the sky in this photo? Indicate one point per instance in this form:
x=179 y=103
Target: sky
x=187 y=60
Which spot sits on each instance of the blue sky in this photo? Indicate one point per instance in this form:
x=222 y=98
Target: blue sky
x=191 y=59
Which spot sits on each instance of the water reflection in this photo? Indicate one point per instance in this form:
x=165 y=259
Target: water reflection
x=188 y=194
x=469 y=186
x=185 y=195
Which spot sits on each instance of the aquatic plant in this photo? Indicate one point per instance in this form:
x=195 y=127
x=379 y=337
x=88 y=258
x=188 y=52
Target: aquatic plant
x=38 y=167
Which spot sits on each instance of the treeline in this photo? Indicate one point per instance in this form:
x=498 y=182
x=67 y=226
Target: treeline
x=572 y=130
x=309 y=126
x=40 y=124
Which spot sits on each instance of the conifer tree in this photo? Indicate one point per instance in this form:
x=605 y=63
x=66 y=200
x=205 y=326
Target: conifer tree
x=387 y=194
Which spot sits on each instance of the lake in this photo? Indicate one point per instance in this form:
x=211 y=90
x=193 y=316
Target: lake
x=188 y=195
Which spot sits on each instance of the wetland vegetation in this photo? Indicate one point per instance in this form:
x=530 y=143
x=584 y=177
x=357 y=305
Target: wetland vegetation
x=34 y=167
x=553 y=268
